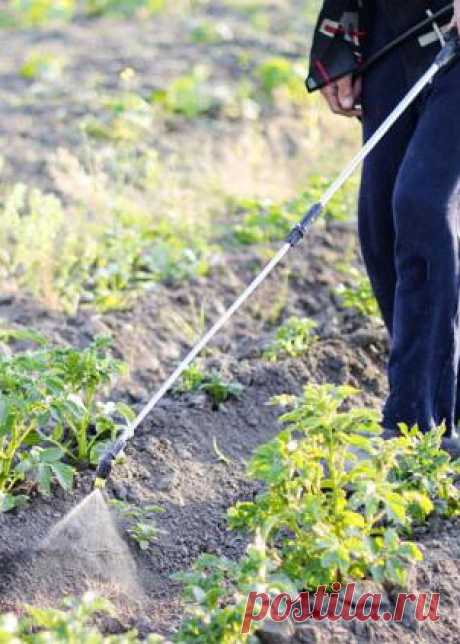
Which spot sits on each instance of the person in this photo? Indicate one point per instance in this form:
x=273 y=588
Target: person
x=409 y=199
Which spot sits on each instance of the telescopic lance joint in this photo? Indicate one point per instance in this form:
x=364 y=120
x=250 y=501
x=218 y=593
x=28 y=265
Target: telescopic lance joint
x=297 y=233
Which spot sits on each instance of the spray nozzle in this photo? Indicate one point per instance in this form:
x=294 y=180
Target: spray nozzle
x=104 y=466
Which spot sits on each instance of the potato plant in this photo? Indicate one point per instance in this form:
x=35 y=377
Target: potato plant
x=72 y=622
x=359 y=296
x=139 y=521
x=213 y=384
x=425 y=468
x=103 y=264
x=263 y=222
x=292 y=339
x=337 y=505
x=324 y=502
x=49 y=412
x=216 y=591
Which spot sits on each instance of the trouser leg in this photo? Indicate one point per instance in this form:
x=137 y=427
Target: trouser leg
x=383 y=87
x=424 y=361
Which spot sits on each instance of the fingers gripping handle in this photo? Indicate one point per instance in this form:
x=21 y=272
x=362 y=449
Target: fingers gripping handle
x=450 y=51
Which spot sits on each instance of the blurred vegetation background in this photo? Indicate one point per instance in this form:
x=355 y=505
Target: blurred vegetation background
x=143 y=139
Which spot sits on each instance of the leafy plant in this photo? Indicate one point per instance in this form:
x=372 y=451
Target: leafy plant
x=218 y=389
x=277 y=72
x=264 y=221
x=127 y=117
x=292 y=339
x=74 y=622
x=360 y=296
x=140 y=524
x=123 y=7
x=216 y=591
x=425 y=468
x=336 y=504
x=48 y=400
x=330 y=514
x=31 y=13
x=41 y=466
x=98 y=264
x=42 y=66
x=188 y=95
x=209 y=33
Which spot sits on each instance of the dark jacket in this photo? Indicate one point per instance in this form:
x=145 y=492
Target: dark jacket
x=339 y=43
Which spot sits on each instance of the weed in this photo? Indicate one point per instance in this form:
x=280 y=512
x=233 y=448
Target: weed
x=210 y=33
x=221 y=457
x=292 y=339
x=192 y=379
x=127 y=117
x=32 y=13
x=123 y=7
x=98 y=263
x=140 y=524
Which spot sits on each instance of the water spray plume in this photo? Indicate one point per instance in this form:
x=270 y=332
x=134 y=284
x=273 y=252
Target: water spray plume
x=88 y=538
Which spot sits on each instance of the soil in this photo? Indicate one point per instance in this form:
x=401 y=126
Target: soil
x=172 y=461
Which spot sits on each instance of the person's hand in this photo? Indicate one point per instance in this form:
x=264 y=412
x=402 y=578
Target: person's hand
x=343 y=95
x=456 y=19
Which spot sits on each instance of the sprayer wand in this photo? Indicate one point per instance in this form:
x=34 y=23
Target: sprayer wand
x=448 y=53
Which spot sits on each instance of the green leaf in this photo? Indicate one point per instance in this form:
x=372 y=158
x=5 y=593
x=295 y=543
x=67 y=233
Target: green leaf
x=9 y=501
x=64 y=475
x=44 y=477
x=51 y=454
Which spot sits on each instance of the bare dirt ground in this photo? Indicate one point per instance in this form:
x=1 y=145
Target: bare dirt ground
x=172 y=461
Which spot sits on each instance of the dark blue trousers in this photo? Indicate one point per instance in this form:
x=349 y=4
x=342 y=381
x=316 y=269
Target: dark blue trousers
x=409 y=231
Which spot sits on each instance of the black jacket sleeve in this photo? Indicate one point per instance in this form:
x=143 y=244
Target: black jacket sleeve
x=336 y=46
